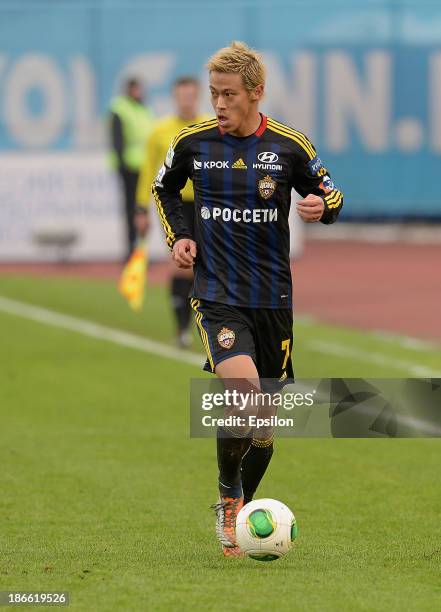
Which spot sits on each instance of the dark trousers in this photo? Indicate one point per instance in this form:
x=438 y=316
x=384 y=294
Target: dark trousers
x=129 y=181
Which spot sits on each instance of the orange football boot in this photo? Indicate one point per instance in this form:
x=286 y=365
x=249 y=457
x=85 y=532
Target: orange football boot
x=226 y=511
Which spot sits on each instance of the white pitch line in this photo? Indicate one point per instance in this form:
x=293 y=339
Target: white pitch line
x=123 y=338
x=407 y=342
x=341 y=350
x=100 y=332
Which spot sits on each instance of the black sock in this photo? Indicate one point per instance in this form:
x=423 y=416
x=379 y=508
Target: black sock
x=254 y=466
x=180 y=289
x=230 y=452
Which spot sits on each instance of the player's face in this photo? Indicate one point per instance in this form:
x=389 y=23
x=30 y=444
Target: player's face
x=187 y=100
x=233 y=104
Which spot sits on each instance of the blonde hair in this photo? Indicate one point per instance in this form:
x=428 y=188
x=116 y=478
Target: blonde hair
x=241 y=59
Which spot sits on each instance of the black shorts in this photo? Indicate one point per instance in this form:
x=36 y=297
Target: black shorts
x=265 y=334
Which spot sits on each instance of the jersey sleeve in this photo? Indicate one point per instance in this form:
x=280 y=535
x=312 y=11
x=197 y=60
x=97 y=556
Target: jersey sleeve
x=166 y=188
x=311 y=176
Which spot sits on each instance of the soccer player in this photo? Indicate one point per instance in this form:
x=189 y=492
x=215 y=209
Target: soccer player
x=186 y=92
x=243 y=166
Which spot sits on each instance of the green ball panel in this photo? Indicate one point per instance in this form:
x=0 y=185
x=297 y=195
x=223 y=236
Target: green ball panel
x=264 y=557
x=261 y=523
x=294 y=530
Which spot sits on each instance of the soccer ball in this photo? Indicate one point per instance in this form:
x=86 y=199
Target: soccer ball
x=265 y=529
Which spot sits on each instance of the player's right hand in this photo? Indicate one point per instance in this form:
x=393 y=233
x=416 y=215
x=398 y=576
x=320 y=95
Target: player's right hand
x=184 y=253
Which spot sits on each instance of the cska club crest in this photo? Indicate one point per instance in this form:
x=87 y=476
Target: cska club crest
x=226 y=338
x=267 y=186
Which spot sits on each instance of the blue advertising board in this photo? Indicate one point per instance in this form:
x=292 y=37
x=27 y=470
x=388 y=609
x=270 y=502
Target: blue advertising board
x=363 y=80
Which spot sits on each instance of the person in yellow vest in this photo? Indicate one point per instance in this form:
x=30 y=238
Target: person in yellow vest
x=130 y=124
x=186 y=93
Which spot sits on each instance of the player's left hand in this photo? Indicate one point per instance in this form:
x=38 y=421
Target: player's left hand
x=311 y=208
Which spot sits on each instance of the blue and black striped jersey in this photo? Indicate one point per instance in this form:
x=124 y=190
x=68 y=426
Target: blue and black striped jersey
x=242 y=192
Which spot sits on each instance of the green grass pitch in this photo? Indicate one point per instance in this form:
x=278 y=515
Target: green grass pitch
x=104 y=495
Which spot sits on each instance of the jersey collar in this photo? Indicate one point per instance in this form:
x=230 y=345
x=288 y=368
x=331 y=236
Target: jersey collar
x=246 y=140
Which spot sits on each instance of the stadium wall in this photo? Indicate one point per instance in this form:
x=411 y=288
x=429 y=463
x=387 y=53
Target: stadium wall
x=363 y=81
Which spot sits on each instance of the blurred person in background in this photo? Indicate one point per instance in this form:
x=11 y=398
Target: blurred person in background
x=186 y=94
x=130 y=124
